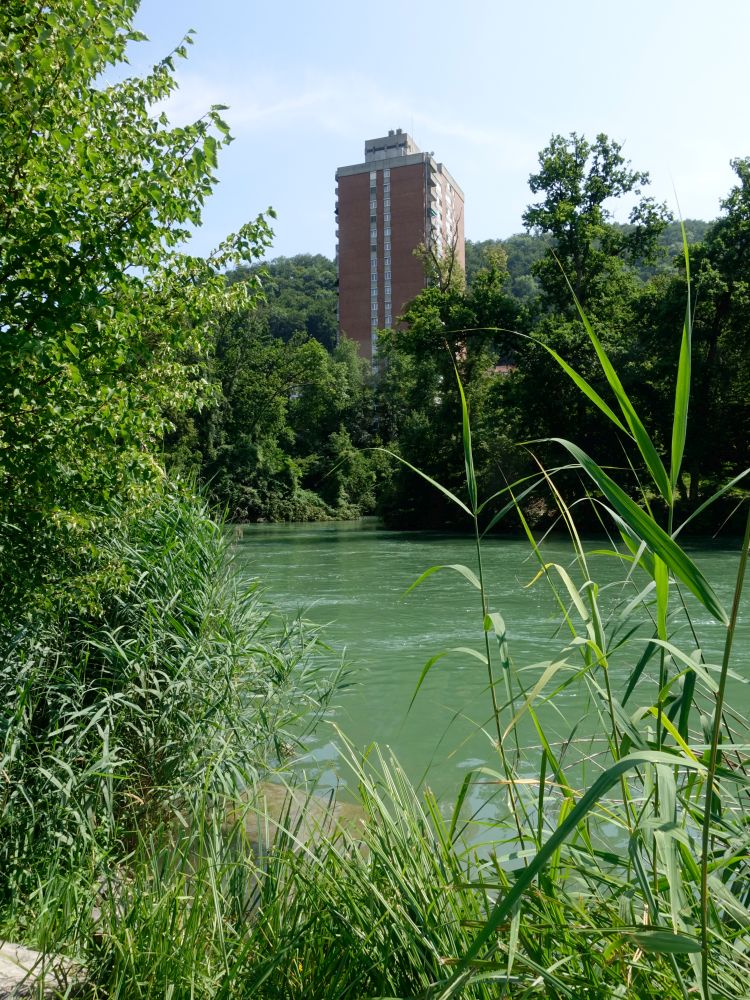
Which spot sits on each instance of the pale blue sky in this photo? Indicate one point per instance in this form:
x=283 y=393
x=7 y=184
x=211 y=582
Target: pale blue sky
x=482 y=84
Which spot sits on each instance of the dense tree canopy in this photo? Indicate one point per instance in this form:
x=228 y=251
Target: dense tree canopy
x=577 y=180
x=630 y=279
x=444 y=331
x=99 y=309
x=300 y=296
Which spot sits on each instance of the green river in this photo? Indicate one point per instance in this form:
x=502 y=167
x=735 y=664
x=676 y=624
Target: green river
x=352 y=577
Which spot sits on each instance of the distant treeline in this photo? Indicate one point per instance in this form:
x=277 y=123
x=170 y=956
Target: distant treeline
x=525 y=249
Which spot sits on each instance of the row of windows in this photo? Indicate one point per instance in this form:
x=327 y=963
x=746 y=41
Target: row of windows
x=387 y=323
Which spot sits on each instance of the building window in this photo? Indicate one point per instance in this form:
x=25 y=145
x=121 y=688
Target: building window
x=373 y=175
x=387 y=259
x=387 y=231
x=387 y=275
x=373 y=234
x=387 y=203
x=386 y=216
x=374 y=308
x=387 y=246
x=386 y=188
x=386 y=173
x=374 y=293
x=373 y=204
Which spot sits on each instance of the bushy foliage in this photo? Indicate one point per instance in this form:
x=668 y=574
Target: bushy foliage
x=284 y=438
x=100 y=312
x=177 y=681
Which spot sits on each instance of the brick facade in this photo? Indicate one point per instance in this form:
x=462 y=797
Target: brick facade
x=386 y=207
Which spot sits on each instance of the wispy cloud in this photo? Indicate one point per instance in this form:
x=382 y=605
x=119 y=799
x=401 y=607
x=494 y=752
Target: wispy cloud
x=343 y=105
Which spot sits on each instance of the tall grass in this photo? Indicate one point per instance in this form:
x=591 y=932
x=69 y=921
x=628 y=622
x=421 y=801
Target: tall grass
x=671 y=888
x=622 y=871
x=172 y=687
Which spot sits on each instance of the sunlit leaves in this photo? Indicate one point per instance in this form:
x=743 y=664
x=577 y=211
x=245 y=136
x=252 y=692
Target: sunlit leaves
x=99 y=308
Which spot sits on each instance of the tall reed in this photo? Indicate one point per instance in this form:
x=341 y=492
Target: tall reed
x=174 y=687
x=672 y=890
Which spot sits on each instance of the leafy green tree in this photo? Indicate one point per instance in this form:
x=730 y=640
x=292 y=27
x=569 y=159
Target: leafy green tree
x=720 y=415
x=98 y=307
x=587 y=253
x=577 y=179
x=332 y=423
x=283 y=436
x=445 y=329
x=300 y=296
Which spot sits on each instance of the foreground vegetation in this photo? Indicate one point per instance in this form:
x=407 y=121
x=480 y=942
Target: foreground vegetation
x=147 y=692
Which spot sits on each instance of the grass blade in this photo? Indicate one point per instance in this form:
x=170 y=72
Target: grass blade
x=505 y=906
x=640 y=435
x=585 y=387
x=660 y=543
x=428 y=479
x=464 y=571
x=682 y=387
x=471 y=479
x=663 y=941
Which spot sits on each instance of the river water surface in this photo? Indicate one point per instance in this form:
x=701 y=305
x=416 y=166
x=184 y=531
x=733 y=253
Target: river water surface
x=352 y=577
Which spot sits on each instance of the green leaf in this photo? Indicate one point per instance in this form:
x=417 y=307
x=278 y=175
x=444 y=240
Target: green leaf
x=465 y=786
x=435 y=659
x=511 y=505
x=642 y=439
x=645 y=528
x=584 y=386
x=664 y=941
x=506 y=904
x=423 y=674
x=471 y=479
x=707 y=503
x=428 y=479
x=682 y=387
x=456 y=567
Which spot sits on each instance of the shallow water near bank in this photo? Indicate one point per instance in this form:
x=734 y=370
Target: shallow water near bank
x=352 y=577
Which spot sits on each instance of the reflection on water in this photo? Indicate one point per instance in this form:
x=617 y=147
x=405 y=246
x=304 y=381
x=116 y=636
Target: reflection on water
x=352 y=577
